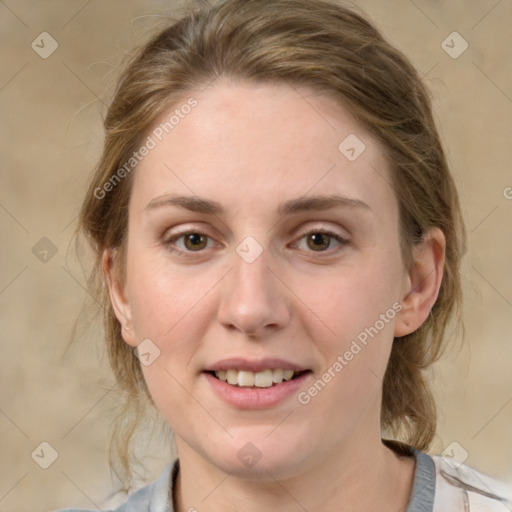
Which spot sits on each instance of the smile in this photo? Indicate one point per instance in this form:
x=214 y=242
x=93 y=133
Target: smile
x=259 y=394
x=261 y=379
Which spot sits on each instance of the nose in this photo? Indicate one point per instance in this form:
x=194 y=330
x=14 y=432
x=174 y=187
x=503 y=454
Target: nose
x=254 y=300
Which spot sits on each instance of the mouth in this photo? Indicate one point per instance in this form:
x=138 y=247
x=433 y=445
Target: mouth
x=256 y=385
x=262 y=379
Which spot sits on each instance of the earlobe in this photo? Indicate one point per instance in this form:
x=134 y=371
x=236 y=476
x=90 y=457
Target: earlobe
x=110 y=265
x=423 y=283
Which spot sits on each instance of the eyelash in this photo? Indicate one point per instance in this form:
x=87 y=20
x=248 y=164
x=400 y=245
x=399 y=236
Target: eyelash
x=169 y=243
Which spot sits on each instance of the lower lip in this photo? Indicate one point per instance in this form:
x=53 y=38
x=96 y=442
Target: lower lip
x=256 y=398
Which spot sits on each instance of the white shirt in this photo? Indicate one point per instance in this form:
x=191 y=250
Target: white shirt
x=462 y=488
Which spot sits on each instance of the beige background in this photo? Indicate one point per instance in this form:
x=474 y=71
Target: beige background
x=50 y=139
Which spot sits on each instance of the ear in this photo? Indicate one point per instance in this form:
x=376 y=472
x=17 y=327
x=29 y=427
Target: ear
x=422 y=282
x=111 y=267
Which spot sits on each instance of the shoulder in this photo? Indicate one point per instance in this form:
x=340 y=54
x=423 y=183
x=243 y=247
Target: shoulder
x=154 y=497
x=461 y=487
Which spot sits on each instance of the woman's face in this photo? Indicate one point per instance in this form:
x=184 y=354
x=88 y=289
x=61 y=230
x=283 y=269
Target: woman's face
x=250 y=278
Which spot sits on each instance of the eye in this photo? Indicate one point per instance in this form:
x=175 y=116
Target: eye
x=193 y=241
x=320 y=240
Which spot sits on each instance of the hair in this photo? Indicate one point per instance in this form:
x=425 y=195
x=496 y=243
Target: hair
x=336 y=52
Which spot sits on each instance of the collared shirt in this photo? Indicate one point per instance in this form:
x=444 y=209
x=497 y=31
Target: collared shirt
x=440 y=485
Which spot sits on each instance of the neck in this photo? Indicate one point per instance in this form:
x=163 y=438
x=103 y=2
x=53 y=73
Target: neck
x=359 y=476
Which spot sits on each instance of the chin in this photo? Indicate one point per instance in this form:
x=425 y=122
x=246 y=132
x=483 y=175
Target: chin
x=259 y=459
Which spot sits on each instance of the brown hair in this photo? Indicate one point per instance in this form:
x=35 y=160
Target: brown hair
x=335 y=51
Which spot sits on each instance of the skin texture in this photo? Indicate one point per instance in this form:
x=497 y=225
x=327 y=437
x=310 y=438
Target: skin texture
x=251 y=147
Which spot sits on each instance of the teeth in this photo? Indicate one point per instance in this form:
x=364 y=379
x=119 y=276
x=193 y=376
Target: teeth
x=277 y=376
x=263 y=379
x=231 y=376
x=246 y=378
x=287 y=374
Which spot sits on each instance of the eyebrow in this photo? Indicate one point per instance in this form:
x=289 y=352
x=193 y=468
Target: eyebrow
x=299 y=205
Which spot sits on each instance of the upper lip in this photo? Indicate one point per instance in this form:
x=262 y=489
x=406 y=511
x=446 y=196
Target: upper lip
x=255 y=365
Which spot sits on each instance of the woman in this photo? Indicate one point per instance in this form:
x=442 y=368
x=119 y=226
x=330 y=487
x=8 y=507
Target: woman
x=280 y=239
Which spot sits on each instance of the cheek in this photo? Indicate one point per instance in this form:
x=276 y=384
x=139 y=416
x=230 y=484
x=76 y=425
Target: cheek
x=172 y=307
x=358 y=306
x=163 y=297
x=352 y=297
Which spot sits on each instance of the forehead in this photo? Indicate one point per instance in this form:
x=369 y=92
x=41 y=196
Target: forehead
x=245 y=144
